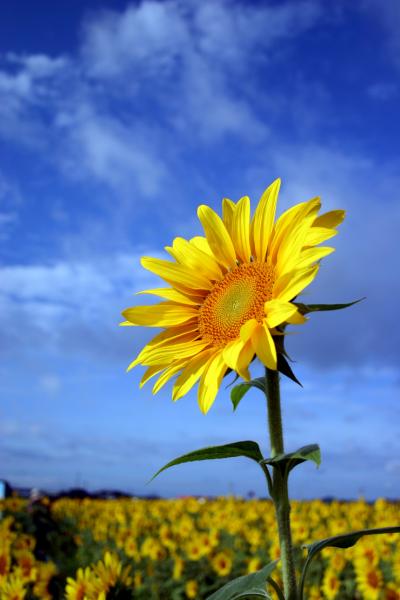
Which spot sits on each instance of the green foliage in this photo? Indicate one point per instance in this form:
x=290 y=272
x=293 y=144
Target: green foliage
x=120 y=592
x=286 y=462
x=246 y=587
x=241 y=389
x=345 y=540
x=248 y=449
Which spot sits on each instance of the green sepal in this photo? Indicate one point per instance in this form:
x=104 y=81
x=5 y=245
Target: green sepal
x=247 y=586
x=248 y=449
x=286 y=369
x=345 y=540
x=286 y=462
x=283 y=365
x=241 y=389
x=307 y=308
x=232 y=382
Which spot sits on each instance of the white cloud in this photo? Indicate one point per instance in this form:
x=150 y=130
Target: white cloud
x=145 y=39
x=190 y=53
x=69 y=307
x=72 y=285
x=113 y=152
x=9 y=202
x=39 y=66
x=152 y=75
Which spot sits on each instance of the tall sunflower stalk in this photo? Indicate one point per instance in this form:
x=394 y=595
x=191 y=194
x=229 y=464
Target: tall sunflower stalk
x=230 y=296
x=279 y=484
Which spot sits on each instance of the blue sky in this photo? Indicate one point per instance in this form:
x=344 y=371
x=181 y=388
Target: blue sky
x=116 y=121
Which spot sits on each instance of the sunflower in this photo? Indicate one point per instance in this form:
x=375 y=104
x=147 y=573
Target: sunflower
x=229 y=291
x=191 y=588
x=78 y=588
x=222 y=563
x=330 y=584
x=13 y=587
x=369 y=581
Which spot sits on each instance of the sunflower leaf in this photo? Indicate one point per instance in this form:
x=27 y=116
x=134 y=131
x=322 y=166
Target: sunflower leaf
x=285 y=368
x=241 y=389
x=345 y=540
x=247 y=586
x=307 y=308
x=286 y=462
x=247 y=449
x=237 y=394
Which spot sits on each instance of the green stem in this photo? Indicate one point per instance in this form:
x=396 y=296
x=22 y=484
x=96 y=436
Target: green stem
x=280 y=494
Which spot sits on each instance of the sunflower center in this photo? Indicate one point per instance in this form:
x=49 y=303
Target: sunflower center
x=238 y=297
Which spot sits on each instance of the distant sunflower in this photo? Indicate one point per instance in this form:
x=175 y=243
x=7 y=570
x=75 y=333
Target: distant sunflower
x=369 y=581
x=229 y=291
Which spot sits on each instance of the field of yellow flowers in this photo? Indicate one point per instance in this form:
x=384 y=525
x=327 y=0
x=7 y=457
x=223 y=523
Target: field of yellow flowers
x=185 y=548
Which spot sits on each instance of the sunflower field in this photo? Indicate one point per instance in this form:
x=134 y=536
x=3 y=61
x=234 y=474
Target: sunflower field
x=185 y=548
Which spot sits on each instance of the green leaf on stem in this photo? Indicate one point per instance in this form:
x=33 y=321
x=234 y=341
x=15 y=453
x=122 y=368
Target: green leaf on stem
x=237 y=394
x=345 y=540
x=286 y=462
x=241 y=389
x=248 y=449
x=307 y=308
x=246 y=587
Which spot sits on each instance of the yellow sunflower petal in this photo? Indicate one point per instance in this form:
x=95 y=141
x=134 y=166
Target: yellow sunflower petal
x=263 y=220
x=309 y=256
x=167 y=354
x=153 y=353
x=291 y=245
x=201 y=243
x=192 y=257
x=264 y=346
x=164 y=314
x=287 y=223
x=244 y=359
x=149 y=373
x=217 y=236
x=166 y=376
x=171 y=294
x=176 y=275
x=190 y=374
x=317 y=235
x=330 y=219
x=172 y=335
x=231 y=353
x=291 y=284
x=246 y=331
x=278 y=311
x=228 y=210
x=241 y=229
x=297 y=319
x=210 y=381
